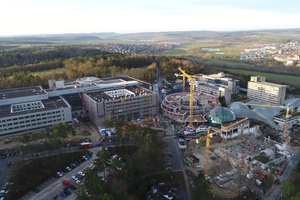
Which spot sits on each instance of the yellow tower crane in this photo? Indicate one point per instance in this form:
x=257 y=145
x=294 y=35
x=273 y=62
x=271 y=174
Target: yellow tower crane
x=288 y=109
x=193 y=83
x=183 y=80
x=207 y=138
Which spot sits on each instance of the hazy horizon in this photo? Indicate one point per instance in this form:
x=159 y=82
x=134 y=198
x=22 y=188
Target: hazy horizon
x=35 y=17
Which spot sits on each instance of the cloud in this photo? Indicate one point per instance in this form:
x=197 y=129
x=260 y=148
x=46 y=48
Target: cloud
x=274 y=6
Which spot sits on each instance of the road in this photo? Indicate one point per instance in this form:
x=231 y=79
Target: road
x=176 y=160
x=275 y=193
x=4 y=169
x=53 y=187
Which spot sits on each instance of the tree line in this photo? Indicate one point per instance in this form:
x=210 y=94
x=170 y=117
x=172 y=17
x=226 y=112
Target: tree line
x=101 y=65
x=21 y=57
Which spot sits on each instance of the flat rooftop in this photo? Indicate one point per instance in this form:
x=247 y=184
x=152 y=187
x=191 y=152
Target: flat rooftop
x=21 y=92
x=269 y=84
x=105 y=95
x=49 y=104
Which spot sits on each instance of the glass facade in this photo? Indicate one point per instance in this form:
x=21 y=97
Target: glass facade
x=220 y=115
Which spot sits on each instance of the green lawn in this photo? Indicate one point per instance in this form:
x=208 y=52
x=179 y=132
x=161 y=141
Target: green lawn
x=277 y=78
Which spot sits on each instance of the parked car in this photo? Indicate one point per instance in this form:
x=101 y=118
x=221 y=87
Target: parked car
x=36 y=190
x=68 y=169
x=73 y=187
x=65 y=183
x=9 y=163
x=74 y=178
x=63 y=194
x=5 y=189
x=59 y=174
x=81 y=173
x=67 y=192
x=73 y=165
x=77 y=163
x=78 y=176
x=92 y=166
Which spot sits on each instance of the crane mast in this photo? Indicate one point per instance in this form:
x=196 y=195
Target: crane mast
x=191 y=101
x=285 y=128
x=207 y=138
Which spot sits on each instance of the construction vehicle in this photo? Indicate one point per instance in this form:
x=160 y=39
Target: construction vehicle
x=288 y=109
x=207 y=138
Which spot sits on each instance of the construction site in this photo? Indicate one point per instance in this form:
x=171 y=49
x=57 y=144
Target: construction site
x=242 y=147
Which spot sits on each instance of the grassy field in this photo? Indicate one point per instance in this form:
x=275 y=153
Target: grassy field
x=276 y=78
x=48 y=72
x=223 y=62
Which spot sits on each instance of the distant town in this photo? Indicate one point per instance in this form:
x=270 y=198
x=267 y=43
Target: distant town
x=287 y=53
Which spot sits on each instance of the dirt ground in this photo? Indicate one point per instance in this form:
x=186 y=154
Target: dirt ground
x=217 y=166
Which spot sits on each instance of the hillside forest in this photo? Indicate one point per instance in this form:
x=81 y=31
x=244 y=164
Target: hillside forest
x=27 y=67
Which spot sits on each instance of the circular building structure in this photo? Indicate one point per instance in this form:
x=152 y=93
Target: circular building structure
x=220 y=115
x=177 y=106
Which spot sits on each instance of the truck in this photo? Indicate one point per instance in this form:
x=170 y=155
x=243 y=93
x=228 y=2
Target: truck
x=85 y=145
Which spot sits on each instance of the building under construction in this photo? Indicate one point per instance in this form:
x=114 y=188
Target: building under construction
x=177 y=106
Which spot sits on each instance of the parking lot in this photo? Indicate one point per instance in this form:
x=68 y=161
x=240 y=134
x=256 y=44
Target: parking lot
x=54 y=188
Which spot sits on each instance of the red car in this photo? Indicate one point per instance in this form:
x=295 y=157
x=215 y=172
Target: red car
x=65 y=183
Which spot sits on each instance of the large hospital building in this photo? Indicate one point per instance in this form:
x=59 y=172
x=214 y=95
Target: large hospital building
x=31 y=108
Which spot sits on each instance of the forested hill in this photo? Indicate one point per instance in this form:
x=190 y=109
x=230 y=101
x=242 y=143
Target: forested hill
x=101 y=65
x=35 y=55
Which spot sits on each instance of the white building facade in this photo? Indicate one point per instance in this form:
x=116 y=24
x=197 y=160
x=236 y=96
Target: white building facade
x=266 y=92
x=30 y=108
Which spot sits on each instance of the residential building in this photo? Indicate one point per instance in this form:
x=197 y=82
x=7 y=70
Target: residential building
x=266 y=92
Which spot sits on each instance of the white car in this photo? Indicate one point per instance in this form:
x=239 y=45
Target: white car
x=92 y=166
x=74 y=178
x=68 y=169
x=81 y=173
x=59 y=174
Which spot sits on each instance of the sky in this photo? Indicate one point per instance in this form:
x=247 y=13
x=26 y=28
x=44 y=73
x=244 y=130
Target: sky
x=29 y=17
